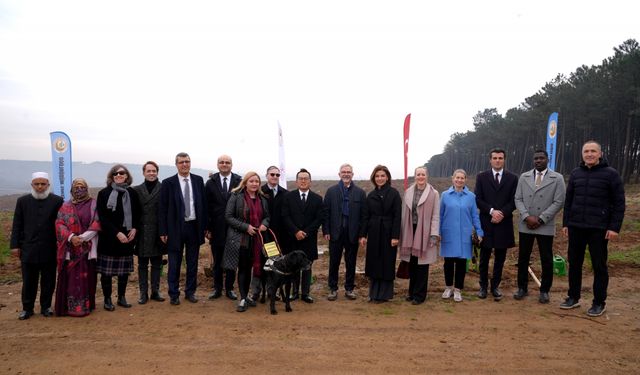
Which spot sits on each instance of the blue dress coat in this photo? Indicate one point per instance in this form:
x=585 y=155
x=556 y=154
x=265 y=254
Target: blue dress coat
x=458 y=218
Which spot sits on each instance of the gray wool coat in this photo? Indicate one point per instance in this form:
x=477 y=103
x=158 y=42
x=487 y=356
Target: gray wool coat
x=149 y=243
x=544 y=202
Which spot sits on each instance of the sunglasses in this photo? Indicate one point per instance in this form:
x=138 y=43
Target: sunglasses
x=119 y=173
x=274 y=174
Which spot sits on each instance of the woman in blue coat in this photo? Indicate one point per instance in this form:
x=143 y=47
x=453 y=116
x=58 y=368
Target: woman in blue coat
x=458 y=219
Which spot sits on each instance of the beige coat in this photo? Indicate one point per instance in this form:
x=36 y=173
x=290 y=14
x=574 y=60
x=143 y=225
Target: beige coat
x=417 y=243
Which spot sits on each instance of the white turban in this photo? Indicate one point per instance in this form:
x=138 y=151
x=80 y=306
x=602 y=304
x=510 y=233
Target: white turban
x=44 y=175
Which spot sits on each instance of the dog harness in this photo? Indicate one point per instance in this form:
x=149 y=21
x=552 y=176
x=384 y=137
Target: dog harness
x=270 y=265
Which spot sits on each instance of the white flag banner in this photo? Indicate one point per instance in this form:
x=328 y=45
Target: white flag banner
x=283 y=170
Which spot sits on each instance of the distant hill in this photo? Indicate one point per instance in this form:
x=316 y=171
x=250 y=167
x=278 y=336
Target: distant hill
x=15 y=175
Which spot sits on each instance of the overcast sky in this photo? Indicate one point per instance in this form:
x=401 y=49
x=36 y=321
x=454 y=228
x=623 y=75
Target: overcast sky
x=133 y=80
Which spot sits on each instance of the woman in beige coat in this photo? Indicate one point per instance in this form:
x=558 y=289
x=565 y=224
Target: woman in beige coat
x=420 y=233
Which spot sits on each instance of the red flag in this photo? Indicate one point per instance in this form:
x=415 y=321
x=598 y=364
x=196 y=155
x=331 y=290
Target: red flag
x=407 y=120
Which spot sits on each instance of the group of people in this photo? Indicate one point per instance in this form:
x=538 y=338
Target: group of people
x=83 y=237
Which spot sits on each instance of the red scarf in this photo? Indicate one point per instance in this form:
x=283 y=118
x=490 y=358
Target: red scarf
x=255 y=219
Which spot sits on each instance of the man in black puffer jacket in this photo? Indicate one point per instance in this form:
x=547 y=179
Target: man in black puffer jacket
x=593 y=212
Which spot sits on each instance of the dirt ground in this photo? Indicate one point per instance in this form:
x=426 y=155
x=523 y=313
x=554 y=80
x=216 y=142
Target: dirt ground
x=341 y=337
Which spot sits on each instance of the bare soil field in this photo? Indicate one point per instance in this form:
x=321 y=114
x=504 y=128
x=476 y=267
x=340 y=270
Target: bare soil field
x=341 y=337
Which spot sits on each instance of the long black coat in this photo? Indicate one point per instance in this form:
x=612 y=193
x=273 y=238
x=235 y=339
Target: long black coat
x=34 y=231
x=149 y=244
x=499 y=197
x=216 y=205
x=171 y=210
x=306 y=217
x=275 y=212
x=111 y=223
x=380 y=224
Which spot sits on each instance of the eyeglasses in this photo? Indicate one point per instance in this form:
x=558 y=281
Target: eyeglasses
x=184 y=162
x=224 y=162
x=303 y=179
x=274 y=174
x=119 y=173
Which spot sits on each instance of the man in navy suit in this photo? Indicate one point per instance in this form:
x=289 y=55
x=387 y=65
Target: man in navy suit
x=495 y=192
x=182 y=218
x=217 y=189
x=302 y=214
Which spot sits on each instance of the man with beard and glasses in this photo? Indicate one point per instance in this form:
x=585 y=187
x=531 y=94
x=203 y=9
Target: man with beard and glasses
x=33 y=240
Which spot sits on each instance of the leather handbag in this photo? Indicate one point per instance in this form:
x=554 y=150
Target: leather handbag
x=403 y=270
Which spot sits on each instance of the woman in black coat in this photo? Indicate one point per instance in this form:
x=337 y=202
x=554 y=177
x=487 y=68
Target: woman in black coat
x=119 y=211
x=380 y=232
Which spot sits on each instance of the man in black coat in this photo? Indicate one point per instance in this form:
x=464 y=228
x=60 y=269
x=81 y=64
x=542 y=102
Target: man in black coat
x=302 y=214
x=495 y=192
x=33 y=240
x=593 y=213
x=344 y=205
x=218 y=189
x=182 y=223
x=275 y=195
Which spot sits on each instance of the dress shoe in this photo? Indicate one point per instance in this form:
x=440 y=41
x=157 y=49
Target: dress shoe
x=47 y=312
x=482 y=293
x=596 y=310
x=408 y=298
x=192 y=298
x=294 y=296
x=215 y=294
x=24 y=315
x=156 y=296
x=307 y=299
x=416 y=302
x=544 y=297
x=108 y=304
x=569 y=303
x=231 y=295
x=251 y=302
x=497 y=294
x=174 y=301
x=122 y=301
x=144 y=297
x=520 y=294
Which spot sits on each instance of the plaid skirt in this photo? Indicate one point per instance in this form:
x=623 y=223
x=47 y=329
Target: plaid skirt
x=114 y=266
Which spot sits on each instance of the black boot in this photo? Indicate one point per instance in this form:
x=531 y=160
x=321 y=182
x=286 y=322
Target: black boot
x=108 y=305
x=105 y=281
x=122 y=290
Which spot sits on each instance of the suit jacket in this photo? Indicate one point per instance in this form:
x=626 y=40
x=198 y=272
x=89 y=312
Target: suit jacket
x=216 y=205
x=306 y=217
x=171 y=210
x=544 y=202
x=500 y=197
x=333 y=200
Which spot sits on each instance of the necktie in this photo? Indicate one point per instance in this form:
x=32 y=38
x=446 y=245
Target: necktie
x=538 y=179
x=274 y=192
x=225 y=187
x=498 y=178
x=187 y=199
x=304 y=199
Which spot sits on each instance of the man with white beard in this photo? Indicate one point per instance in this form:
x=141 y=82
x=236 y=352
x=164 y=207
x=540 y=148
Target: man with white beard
x=33 y=239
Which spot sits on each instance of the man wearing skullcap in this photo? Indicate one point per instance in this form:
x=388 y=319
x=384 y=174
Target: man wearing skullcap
x=33 y=239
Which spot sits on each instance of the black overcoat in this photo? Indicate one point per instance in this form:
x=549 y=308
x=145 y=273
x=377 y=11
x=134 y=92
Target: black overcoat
x=380 y=224
x=149 y=244
x=111 y=223
x=34 y=231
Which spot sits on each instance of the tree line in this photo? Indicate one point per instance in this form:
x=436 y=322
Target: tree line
x=600 y=102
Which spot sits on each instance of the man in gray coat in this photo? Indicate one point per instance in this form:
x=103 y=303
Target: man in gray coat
x=539 y=197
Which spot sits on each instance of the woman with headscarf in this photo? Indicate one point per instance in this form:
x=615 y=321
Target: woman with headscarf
x=77 y=229
x=380 y=233
x=420 y=233
x=247 y=214
x=119 y=212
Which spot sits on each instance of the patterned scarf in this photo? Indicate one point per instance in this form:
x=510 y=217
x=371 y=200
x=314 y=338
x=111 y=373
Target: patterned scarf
x=112 y=202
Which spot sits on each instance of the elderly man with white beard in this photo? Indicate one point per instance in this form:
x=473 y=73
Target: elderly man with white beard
x=33 y=240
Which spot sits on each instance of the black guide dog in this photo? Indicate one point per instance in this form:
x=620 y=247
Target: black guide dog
x=279 y=272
